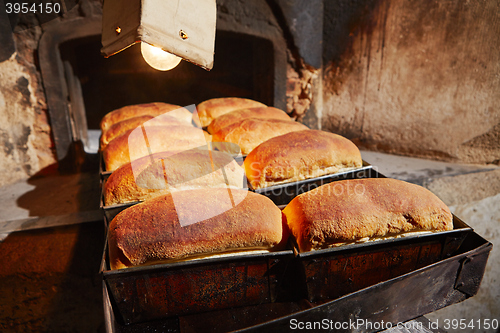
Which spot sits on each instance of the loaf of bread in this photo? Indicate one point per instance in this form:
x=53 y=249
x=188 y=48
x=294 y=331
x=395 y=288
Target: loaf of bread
x=144 y=141
x=363 y=209
x=300 y=155
x=193 y=223
x=213 y=108
x=129 y=124
x=267 y=112
x=149 y=109
x=251 y=132
x=170 y=171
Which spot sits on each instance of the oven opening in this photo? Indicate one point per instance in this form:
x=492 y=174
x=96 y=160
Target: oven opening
x=243 y=67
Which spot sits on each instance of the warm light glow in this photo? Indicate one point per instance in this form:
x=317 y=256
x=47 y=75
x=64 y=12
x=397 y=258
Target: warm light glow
x=159 y=59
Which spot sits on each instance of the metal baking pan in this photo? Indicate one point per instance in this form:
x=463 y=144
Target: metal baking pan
x=279 y=194
x=160 y=291
x=333 y=272
x=102 y=169
x=165 y=290
x=396 y=300
x=105 y=174
x=112 y=210
x=282 y=194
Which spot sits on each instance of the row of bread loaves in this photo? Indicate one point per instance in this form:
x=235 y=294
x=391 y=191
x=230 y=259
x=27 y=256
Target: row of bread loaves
x=194 y=201
x=205 y=222
x=197 y=217
x=185 y=214
x=157 y=142
x=135 y=136
x=279 y=150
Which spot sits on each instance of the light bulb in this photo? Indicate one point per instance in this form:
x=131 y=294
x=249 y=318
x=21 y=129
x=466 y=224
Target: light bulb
x=159 y=59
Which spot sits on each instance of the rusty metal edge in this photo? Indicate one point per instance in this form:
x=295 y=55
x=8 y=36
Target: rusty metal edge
x=325 y=309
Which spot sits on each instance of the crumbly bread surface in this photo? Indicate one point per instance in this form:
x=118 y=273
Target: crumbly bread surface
x=148 y=109
x=146 y=140
x=350 y=210
x=267 y=112
x=129 y=124
x=215 y=107
x=165 y=172
x=251 y=132
x=300 y=155
x=192 y=223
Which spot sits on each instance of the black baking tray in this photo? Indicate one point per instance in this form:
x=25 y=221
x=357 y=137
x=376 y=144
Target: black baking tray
x=282 y=194
x=111 y=211
x=102 y=169
x=104 y=174
x=333 y=272
x=399 y=299
x=162 y=291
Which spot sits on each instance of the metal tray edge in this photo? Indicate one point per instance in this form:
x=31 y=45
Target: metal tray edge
x=459 y=226
x=366 y=166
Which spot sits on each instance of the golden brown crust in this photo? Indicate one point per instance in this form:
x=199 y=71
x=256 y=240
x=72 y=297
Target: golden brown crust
x=351 y=210
x=128 y=124
x=191 y=223
x=300 y=155
x=149 y=109
x=164 y=172
x=251 y=132
x=133 y=144
x=215 y=107
x=267 y=112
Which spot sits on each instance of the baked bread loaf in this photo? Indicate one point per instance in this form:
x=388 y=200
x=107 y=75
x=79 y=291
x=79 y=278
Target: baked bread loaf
x=363 y=209
x=193 y=223
x=170 y=171
x=149 y=109
x=251 y=132
x=267 y=112
x=144 y=141
x=129 y=124
x=300 y=155
x=213 y=108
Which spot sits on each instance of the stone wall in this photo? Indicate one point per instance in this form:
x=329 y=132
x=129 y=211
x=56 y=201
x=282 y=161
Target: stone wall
x=414 y=77
x=26 y=143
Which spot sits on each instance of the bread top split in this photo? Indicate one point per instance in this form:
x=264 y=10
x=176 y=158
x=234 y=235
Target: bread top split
x=267 y=112
x=126 y=125
x=251 y=132
x=143 y=141
x=215 y=107
x=148 y=109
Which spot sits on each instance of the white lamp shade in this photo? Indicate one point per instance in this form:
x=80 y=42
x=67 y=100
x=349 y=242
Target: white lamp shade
x=185 y=28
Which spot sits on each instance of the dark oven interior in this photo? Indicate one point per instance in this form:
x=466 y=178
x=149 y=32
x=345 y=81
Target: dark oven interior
x=242 y=67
